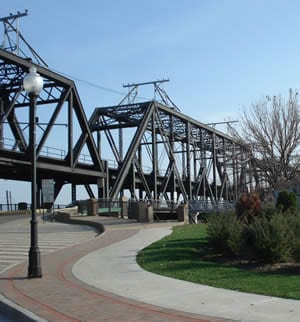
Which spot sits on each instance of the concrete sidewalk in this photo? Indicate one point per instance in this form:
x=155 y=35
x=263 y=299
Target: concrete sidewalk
x=60 y=296
x=121 y=275
x=99 y=280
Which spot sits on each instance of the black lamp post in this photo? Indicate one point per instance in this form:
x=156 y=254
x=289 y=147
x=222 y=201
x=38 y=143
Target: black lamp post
x=33 y=84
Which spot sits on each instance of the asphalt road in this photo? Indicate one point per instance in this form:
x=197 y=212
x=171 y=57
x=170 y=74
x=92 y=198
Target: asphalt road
x=4 y=318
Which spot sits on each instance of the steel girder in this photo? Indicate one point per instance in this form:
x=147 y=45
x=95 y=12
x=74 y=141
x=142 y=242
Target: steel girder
x=200 y=163
x=61 y=100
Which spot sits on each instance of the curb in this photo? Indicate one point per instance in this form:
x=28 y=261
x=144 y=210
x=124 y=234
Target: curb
x=66 y=217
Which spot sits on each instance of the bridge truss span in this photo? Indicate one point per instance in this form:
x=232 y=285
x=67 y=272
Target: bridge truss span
x=170 y=156
x=160 y=153
x=61 y=123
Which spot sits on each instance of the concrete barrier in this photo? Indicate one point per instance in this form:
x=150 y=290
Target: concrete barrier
x=183 y=213
x=66 y=217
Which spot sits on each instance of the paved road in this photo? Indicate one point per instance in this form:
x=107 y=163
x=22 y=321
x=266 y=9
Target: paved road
x=15 y=238
x=3 y=318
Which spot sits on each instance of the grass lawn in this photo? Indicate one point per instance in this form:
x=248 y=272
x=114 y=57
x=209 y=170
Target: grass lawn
x=180 y=255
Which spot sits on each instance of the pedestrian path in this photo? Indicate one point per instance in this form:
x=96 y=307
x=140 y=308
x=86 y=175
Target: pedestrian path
x=121 y=275
x=15 y=239
x=99 y=280
x=59 y=296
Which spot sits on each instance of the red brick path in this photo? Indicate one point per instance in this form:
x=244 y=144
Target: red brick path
x=59 y=296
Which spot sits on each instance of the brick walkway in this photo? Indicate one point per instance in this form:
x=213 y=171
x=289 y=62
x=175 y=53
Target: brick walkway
x=59 y=296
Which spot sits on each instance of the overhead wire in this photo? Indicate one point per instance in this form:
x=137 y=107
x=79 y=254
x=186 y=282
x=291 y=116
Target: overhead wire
x=103 y=88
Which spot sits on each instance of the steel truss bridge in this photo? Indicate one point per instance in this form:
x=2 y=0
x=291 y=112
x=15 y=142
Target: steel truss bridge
x=158 y=152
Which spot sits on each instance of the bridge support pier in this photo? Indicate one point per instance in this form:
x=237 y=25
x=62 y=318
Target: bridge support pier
x=183 y=213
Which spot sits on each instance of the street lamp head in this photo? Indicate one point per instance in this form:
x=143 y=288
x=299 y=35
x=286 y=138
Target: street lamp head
x=33 y=82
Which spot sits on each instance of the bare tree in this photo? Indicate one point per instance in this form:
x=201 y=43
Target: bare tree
x=272 y=131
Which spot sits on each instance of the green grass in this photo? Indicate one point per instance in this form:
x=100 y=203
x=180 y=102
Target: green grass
x=180 y=254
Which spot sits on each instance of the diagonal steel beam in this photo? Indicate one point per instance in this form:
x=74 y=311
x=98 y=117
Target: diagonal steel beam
x=168 y=149
x=110 y=140
x=52 y=120
x=130 y=155
x=167 y=177
x=89 y=191
x=13 y=122
x=140 y=172
x=86 y=136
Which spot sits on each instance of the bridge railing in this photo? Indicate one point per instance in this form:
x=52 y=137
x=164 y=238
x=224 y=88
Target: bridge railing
x=8 y=207
x=60 y=154
x=210 y=206
x=47 y=151
x=24 y=208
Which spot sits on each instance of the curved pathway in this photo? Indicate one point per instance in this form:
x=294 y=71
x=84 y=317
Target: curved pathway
x=99 y=280
x=121 y=275
x=59 y=296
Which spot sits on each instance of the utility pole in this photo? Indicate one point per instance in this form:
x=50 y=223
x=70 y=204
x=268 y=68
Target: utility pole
x=11 y=24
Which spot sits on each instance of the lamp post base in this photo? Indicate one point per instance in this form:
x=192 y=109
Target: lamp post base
x=34 y=267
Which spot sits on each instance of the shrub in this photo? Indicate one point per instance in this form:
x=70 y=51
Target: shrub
x=268 y=210
x=272 y=239
x=248 y=207
x=286 y=201
x=294 y=224
x=223 y=232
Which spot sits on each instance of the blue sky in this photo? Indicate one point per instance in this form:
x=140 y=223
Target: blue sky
x=220 y=56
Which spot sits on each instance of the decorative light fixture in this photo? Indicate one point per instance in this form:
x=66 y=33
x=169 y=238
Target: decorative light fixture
x=33 y=84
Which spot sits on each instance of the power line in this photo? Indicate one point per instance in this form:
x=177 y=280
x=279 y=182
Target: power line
x=103 y=88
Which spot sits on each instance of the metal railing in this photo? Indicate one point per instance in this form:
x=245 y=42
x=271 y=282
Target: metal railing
x=210 y=206
x=60 y=154
x=47 y=151
x=23 y=206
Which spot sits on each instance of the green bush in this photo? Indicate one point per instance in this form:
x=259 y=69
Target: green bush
x=294 y=224
x=223 y=233
x=272 y=239
x=268 y=210
x=286 y=201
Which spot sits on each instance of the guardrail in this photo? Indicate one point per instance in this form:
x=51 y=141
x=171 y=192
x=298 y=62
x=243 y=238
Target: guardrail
x=209 y=206
x=47 y=151
x=22 y=206
x=60 y=154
